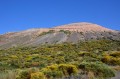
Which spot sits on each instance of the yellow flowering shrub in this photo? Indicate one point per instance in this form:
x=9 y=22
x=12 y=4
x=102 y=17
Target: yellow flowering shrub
x=37 y=75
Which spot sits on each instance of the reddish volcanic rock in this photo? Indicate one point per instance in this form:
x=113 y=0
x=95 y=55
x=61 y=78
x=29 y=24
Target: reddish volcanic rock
x=82 y=27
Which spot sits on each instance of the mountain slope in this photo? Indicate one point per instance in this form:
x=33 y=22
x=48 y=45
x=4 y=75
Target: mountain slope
x=74 y=33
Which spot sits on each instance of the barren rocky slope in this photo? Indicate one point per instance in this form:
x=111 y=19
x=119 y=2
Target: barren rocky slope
x=74 y=33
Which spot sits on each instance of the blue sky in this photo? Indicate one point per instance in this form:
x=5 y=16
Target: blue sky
x=17 y=15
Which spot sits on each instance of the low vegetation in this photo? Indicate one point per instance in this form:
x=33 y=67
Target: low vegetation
x=65 y=31
x=44 y=33
x=93 y=59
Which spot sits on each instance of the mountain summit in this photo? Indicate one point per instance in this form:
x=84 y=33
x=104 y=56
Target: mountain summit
x=83 y=27
x=74 y=32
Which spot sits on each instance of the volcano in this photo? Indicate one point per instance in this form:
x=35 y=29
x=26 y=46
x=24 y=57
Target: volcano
x=73 y=33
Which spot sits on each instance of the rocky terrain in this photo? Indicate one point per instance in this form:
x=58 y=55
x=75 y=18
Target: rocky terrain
x=74 y=33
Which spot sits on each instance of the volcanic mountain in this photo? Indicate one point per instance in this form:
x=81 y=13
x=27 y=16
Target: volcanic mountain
x=73 y=33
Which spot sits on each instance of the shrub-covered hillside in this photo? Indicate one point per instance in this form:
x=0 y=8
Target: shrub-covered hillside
x=91 y=59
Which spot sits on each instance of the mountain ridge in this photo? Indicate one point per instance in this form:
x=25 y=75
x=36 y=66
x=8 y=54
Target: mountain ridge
x=57 y=27
x=83 y=27
x=73 y=32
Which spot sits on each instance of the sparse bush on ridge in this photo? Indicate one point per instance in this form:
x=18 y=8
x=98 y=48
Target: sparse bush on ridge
x=65 y=31
x=44 y=33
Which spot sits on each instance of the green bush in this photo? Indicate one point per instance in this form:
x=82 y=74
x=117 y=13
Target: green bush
x=37 y=75
x=44 y=33
x=99 y=69
x=115 y=54
x=52 y=71
x=111 y=60
x=47 y=56
x=68 y=69
x=57 y=71
x=26 y=74
x=65 y=31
